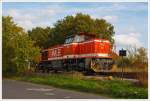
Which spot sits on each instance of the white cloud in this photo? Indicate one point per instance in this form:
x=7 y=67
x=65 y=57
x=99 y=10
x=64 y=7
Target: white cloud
x=20 y=14
x=26 y=24
x=125 y=40
x=43 y=15
x=47 y=16
x=29 y=18
x=111 y=18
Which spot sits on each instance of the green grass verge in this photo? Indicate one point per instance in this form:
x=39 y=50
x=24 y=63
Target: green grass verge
x=113 y=88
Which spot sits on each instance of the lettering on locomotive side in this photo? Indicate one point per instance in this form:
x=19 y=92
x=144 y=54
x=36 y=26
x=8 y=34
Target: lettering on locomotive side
x=56 y=52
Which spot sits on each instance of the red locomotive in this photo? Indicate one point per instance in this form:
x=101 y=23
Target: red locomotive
x=80 y=52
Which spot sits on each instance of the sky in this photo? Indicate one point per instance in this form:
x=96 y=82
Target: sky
x=130 y=20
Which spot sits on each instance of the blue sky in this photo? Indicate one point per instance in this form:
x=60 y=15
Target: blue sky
x=129 y=19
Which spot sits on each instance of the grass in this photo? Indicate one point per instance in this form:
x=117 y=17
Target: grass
x=141 y=73
x=113 y=88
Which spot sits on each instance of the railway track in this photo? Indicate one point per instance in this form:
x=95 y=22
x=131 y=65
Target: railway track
x=129 y=75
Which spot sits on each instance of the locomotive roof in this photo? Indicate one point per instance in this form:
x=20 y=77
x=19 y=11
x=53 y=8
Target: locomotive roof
x=83 y=33
x=93 y=36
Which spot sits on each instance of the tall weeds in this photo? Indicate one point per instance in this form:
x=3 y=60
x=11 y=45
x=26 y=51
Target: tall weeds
x=135 y=61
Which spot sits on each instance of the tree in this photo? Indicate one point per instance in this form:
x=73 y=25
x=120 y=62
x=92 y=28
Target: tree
x=9 y=28
x=136 y=58
x=104 y=29
x=70 y=25
x=40 y=36
x=82 y=23
x=17 y=47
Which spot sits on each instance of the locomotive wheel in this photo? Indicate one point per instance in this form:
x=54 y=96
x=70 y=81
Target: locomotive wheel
x=95 y=66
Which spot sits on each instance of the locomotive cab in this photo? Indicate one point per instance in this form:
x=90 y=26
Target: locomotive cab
x=78 y=38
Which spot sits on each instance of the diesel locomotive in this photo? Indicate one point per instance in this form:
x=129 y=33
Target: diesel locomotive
x=80 y=52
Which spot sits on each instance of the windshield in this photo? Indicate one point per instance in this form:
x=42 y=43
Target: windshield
x=76 y=39
x=69 y=40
